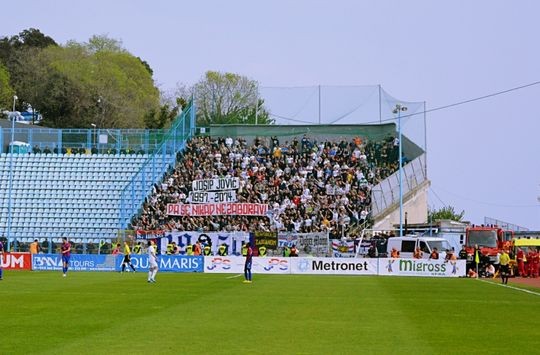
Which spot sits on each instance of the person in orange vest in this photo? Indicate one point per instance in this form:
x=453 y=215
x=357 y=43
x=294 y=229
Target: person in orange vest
x=394 y=253
x=434 y=254
x=197 y=250
x=521 y=263
x=418 y=253
x=34 y=247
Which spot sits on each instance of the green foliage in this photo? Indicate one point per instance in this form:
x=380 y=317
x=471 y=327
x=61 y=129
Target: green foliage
x=79 y=84
x=446 y=212
x=32 y=38
x=102 y=43
x=161 y=118
x=6 y=91
x=12 y=49
x=226 y=98
x=147 y=66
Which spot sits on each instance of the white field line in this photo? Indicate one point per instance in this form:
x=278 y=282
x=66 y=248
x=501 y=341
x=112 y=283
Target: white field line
x=512 y=287
x=234 y=276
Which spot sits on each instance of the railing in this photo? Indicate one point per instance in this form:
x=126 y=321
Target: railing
x=154 y=169
x=95 y=140
x=386 y=193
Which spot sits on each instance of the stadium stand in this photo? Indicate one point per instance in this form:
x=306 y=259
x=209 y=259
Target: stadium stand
x=309 y=185
x=55 y=195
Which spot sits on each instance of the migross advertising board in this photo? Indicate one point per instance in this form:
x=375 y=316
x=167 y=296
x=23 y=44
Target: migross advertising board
x=422 y=267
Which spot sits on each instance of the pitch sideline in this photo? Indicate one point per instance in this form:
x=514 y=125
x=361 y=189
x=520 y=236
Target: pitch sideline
x=512 y=287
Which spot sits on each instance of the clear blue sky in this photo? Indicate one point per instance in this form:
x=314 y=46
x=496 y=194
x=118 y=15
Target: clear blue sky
x=482 y=157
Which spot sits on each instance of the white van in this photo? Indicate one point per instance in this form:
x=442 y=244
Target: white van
x=406 y=246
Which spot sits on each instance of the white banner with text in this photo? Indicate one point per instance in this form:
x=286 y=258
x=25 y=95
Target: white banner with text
x=212 y=196
x=219 y=184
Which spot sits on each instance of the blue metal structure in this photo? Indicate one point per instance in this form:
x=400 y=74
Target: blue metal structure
x=163 y=158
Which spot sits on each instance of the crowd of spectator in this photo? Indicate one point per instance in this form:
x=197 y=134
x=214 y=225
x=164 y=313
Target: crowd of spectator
x=309 y=185
x=80 y=150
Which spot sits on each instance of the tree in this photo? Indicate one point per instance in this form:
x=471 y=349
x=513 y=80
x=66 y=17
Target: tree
x=96 y=82
x=155 y=119
x=102 y=43
x=6 y=91
x=16 y=53
x=224 y=98
x=32 y=37
x=446 y=212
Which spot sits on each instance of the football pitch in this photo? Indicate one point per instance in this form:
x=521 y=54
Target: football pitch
x=112 y=313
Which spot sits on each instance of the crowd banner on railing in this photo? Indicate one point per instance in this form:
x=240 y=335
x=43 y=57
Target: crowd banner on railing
x=232 y=239
x=343 y=248
x=235 y=265
x=267 y=239
x=422 y=267
x=217 y=209
x=333 y=266
x=175 y=263
x=77 y=262
x=16 y=261
x=315 y=244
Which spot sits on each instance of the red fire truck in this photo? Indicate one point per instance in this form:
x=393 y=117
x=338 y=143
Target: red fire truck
x=489 y=239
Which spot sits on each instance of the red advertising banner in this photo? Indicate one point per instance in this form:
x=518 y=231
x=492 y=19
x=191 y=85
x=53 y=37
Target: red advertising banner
x=16 y=261
x=217 y=209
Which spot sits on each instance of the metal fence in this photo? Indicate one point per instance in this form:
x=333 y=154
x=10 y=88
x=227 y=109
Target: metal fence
x=87 y=141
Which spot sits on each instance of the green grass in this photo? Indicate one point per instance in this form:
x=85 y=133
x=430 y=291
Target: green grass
x=110 y=313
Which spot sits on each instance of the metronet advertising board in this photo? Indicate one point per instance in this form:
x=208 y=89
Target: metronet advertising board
x=176 y=263
x=220 y=184
x=235 y=265
x=16 y=261
x=333 y=266
x=77 y=262
x=420 y=267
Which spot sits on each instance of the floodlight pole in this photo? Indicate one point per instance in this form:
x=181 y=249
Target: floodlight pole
x=398 y=109
x=10 y=193
x=94 y=126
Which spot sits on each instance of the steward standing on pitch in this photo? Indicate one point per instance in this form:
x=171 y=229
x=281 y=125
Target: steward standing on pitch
x=504 y=261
